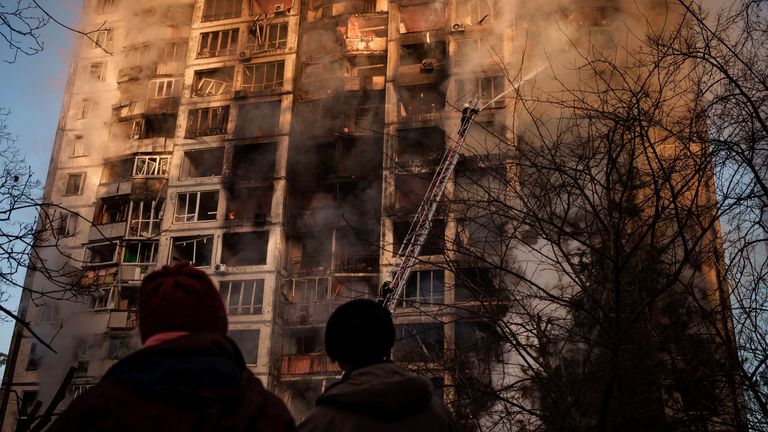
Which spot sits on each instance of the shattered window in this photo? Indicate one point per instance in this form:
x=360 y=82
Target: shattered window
x=254 y=161
x=74 y=184
x=420 y=100
x=425 y=287
x=258 y=119
x=196 y=206
x=28 y=400
x=424 y=17
x=203 y=163
x=213 y=82
x=77 y=390
x=151 y=166
x=96 y=71
x=248 y=248
x=145 y=217
x=263 y=76
x=250 y=204
x=196 y=249
x=215 y=10
x=111 y=210
x=207 y=121
x=102 y=253
x=420 y=144
x=243 y=297
x=476 y=51
x=47 y=313
x=248 y=342
x=67 y=224
x=486 y=87
x=102 y=39
x=267 y=37
x=116 y=170
x=419 y=342
x=218 y=43
x=140 y=252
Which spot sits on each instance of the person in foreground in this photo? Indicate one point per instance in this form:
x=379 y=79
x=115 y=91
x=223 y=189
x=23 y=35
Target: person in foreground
x=189 y=376
x=373 y=394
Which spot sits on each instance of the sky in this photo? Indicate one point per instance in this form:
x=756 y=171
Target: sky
x=33 y=90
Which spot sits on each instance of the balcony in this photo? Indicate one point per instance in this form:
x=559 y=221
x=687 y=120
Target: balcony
x=309 y=313
x=364 y=45
x=334 y=263
x=304 y=364
x=165 y=105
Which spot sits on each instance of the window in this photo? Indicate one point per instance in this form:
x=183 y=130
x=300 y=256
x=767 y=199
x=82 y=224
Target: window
x=78 y=146
x=33 y=360
x=98 y=299
x=85 y=109
x=474 y=284
x=111 y=210
x=419 y=342
x=145 y=217
x=160 y=126
x=249 y=204
x=218 y=43
x=263 y=76
x=420 y=144
x=151 y=166
x=28 y=400
x=163 y=88
x=117 y=170
x=473 y=11
x=425 y=287
x=67 y=224
x=421 y=99
x=47 y=313
x=102 y=253
x=267 y=37
x=140 y=252
x=173 y=51
x=243 y=297
x=487 y=87
x=309 y=290
x=74 y=184
x=196 y=206
x=412 y=54
x=245 y=248
x=248 y=341
x=163 y=96
x=434 y=244
x=259 y=119
x=467 y=49
x=96 y=71
x=306 y=342
x=195 y=249
x=102 y=39
x=254 y=161
x=203 y=163
x=213 y=82
x=117 y=347
x=221 y=9
x=79 y=389
x=207 y=121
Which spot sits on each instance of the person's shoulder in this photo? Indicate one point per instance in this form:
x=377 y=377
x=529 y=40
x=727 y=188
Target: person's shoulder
x=274 y=415
x=323 y=418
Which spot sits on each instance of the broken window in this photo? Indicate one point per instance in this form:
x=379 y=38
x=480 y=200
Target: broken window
x=263 y=76
x=486 y=87
x=67 y=224
x=424 y=17
x=419 y=342
x=215 y=10
x=258 y=119
x=101 y=39
x=151 y=166
x=218 y=43
x=420 y=144
x=163 y=95
x=140 y=252
x=85 y=109
x=213 y=82
x=250 y=204
x=207 y=121
x=476 y=51
x=419 y=100
x=434 y=244
x=33 y=359
x=304 y=342
x=203 y=163
x=196 y=206
x=117 y=170
x=198 y=250
x=308 y=290
x=77 y=390
x=319 y=79
x=78 y=146
x=111 y=210
x=248 y=342
x=267 y=37
x=425 y=287
x=254 y=161
x=474 y=284
x=160 y=126
x=96 y=71
x=245 y=248
x=474 y=11
x=243 y=297
x=145 y=217
x=101 y=253
x=74 y=184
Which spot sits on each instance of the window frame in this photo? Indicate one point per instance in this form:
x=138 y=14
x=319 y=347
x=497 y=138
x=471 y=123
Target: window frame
x=161 y=168
x=221 y=48
x=196 y=214
x=153 y=248
x=268 y=42
x=97 y=71
x=194 y=239
x=156 y=210
x=81 y=186
x=433 y=297
x=79 y=147
x=217 y=122
x=243 y=306
x=265 y=84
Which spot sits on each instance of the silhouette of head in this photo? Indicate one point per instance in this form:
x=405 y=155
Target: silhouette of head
x=359 y=333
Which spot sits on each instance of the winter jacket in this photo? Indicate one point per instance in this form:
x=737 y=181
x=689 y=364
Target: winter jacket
x=197 y=382
x=382 y=397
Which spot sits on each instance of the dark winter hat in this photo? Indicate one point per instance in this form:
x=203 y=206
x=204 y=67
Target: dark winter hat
x=180 y=297
x=359 y=333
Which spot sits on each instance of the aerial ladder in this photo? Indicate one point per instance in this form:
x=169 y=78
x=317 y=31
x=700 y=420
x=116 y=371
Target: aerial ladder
x=422 y=222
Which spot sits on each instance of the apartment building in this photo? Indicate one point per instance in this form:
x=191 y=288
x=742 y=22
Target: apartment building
x=284 y=147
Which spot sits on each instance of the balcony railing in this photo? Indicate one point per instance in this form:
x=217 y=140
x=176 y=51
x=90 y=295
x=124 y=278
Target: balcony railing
x=309 y=313
x=335 y=263
x=162 y=105
x=303 y=364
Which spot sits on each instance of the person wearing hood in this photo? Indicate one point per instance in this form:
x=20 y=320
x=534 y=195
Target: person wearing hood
x=373 y=394
x=189 y=376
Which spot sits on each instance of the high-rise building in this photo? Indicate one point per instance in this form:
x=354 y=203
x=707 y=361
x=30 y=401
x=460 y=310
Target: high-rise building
x=283 y=146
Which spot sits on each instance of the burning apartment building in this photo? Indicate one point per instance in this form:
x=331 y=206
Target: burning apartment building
x=284 y=146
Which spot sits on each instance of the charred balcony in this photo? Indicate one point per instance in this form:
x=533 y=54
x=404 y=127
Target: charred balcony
x=309 y=301
x=335 y=263
x=322 y=10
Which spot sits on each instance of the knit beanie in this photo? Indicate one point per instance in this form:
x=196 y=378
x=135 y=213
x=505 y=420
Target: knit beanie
x=180 y=297
x=359 y=333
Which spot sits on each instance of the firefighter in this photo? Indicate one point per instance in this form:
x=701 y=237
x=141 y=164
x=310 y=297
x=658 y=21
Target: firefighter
x=188 y=376
x=373 y=394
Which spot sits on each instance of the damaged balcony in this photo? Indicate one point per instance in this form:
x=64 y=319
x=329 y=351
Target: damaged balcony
x=409 y=191
x=164 y=96
x=335 y=204
x=262 y=79
x=366 y=35
x=138 y=258
x=249 y=206
x=244 y=248
x=336 y=263
x=343 y=250
x=256 y=120
x=202 y=163
x=303 y=354
x=145 y=217
x=316 y=10
x=311 y=300
x=421 y=62
x=420 y=147
x=213 y=82
x=266 y=38
x=421 y=102
x=252 y=163
x=207 y=121
x=109 y=218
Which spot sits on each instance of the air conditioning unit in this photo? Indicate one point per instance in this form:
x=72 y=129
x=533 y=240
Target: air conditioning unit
x=220 y=268
x=457 y=27
x=428 y=66
x=244 y=56
x=279 y=8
